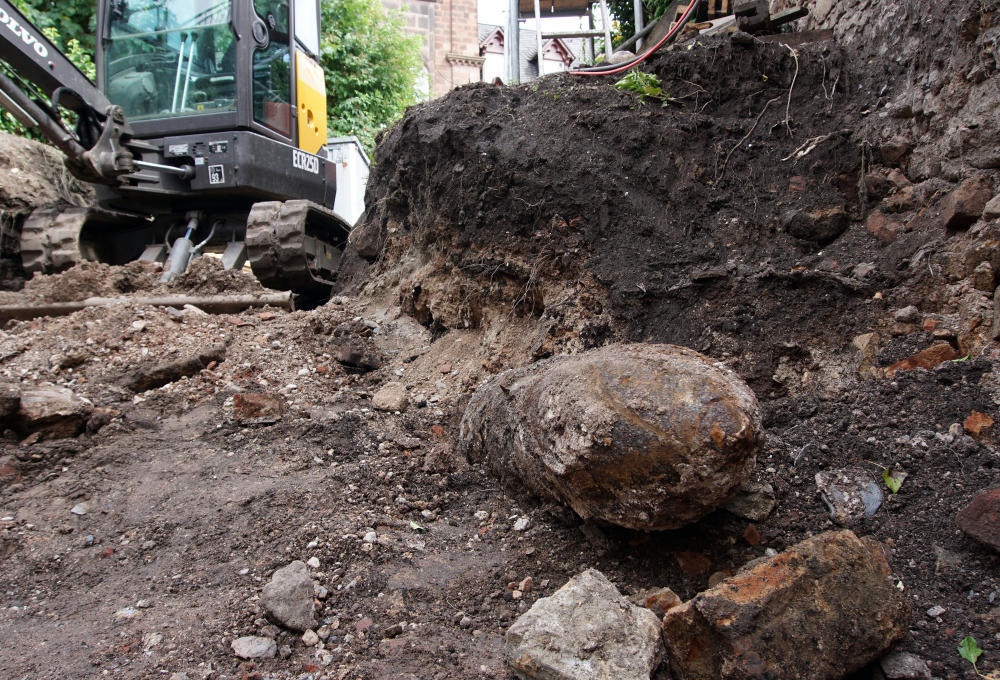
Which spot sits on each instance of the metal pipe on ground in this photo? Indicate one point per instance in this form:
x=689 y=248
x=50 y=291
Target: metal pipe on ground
x=213 y=304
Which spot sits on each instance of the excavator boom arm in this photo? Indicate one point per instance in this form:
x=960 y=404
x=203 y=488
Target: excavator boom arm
x=96 y=153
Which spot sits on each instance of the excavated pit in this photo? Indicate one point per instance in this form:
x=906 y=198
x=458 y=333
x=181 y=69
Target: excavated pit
x=780 y=213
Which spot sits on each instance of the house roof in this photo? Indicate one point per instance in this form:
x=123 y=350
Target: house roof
x=528 y=47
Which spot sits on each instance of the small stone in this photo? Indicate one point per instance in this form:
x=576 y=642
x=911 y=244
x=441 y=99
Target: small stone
x=253 y=647
x=755 y=502
x=980 y=519
x=53 y=412
x=139 y=326
x=526 y=584
x=849 y=494
x=79 y=509
x=310 y=638
x=657 y=600
x=883 y=228
x=936 y=611
x=904 y=666
x=370 y=537
x=313 y=562
x=288 y=597
x=150 y=376
x=908 y=314
x=522 y=523
x=966 y=204
x=982 y=277
x=692 y=563
x=992 y=209
x=465 y=622
x=821 y=226
x=481 y=515
x=621 y=56
x=717 y=577
x=895 y=150
x=285 y=651
x=391 y=397
x=751 y=535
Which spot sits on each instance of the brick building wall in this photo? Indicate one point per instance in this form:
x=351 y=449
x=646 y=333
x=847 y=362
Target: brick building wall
x=451 y=40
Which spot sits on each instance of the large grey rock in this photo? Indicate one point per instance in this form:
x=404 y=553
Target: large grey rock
x=585 y=631
x=643 y=436
x=253 y=647
x=288 y=597
x=52 y=411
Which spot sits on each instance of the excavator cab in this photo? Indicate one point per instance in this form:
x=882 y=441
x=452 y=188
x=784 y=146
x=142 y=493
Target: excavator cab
x=203 y=65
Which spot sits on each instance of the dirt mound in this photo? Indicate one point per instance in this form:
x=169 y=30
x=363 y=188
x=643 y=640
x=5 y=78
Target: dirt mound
x=205 y=276
x=606 y=216
x=33 y=175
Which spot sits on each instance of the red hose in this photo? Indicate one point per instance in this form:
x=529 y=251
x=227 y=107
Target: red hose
x=605 y=71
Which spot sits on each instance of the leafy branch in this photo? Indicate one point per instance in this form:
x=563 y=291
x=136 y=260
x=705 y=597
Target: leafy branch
x=643 y=84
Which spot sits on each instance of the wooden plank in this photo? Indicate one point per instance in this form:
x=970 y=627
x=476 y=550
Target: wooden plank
x=574 y=34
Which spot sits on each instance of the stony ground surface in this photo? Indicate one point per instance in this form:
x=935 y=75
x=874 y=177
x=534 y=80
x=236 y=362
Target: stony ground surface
x=810 y=218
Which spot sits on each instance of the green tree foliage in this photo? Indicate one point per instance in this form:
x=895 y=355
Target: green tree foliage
x=71 y=20
x=372 y=67
x=68 y=24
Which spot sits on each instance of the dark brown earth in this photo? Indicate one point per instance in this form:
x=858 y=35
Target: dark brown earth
x=507 y=225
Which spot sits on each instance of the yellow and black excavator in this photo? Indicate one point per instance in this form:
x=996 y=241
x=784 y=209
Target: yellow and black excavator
x=205 y=130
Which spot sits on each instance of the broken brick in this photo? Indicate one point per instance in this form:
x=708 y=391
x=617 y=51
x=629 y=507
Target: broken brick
x=257 y=408
x=928 y=358
x=692 y=563
x=797 y=184
x=977 y=424
x=980 y=519
x=882 y=227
